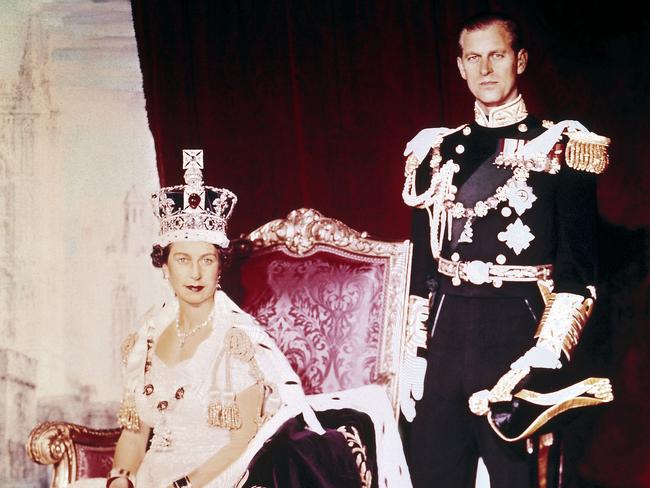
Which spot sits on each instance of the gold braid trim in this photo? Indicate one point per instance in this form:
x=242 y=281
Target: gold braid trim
x=587 y=151
x=588 y=392
x=564 y=318
x=599 y=388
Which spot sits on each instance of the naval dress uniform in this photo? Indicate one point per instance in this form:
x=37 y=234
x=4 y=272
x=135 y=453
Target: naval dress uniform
x=502 y=205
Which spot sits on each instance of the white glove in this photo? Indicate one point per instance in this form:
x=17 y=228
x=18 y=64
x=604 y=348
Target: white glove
x=422 y=143
x=411 y=385
x=411 y=379
x=543 y=143
x=537 y=357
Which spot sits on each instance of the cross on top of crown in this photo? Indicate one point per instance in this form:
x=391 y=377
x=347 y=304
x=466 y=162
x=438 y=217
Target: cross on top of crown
x=192 y=158
x=193 y=164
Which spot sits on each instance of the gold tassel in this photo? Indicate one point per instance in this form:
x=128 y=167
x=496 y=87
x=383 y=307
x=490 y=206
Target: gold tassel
x=214 y=414
x=224 y=413
x=231 y=417
x=127 y=415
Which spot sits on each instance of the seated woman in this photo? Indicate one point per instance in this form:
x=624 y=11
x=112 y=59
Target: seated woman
x=205 y=386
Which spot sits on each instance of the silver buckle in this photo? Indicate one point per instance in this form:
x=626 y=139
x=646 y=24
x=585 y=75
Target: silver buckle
x=478 y=272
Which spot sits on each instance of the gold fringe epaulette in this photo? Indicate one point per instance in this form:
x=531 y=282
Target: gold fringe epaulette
x=587 y=151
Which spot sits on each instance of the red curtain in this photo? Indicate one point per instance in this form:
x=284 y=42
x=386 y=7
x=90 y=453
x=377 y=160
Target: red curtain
x=309 y=104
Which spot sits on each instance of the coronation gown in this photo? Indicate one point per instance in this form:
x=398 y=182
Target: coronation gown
x=192 y=441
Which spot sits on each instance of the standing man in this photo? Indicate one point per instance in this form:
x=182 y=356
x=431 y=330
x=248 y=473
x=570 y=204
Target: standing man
x=505 y=208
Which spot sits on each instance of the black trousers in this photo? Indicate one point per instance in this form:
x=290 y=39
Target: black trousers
x=472 y=344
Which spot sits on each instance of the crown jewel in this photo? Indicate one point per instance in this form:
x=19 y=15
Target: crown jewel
x=193 y=211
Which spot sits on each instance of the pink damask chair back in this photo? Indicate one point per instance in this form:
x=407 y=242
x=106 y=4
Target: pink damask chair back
x=333 y=299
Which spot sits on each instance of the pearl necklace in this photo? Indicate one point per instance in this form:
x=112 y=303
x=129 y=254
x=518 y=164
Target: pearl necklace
x=182 y=336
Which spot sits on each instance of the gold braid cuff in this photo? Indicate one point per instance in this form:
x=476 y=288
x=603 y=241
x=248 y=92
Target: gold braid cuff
x=587 y=151
x=564 y=318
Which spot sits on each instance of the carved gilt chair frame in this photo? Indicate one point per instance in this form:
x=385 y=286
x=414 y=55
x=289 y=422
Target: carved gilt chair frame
x=57 y=444
x=305 y=232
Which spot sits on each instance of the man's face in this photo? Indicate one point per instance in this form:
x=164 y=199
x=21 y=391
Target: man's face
x=490 y=66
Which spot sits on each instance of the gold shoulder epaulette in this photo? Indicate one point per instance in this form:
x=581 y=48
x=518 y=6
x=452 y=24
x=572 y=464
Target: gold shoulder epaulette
x=587 y=151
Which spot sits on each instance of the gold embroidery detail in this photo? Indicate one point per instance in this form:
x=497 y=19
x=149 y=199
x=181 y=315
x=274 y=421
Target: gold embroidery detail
x=479 y=272
x=354 y=442
x=507 y=114
x=565 y=315
x=127 y=346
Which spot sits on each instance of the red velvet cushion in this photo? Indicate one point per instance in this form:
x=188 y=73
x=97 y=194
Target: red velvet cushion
x=94 y=450
x=93 y=461
x=324 y=311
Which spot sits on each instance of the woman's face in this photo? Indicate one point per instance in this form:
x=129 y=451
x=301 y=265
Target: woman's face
x=193 y=271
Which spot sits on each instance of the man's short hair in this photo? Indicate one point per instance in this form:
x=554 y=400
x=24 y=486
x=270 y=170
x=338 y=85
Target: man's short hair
x=486 y=19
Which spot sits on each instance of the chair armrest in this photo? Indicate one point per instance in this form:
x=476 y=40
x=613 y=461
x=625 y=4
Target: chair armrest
x=75 y=451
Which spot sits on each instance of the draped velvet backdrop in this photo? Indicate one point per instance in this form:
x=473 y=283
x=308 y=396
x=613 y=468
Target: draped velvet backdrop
x=310 y=103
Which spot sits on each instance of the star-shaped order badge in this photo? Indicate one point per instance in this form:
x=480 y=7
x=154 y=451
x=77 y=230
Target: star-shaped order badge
x=520 y=196
x=517 y=236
